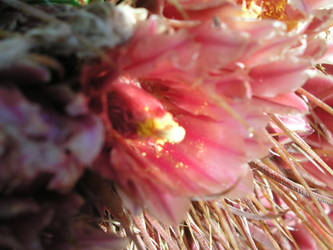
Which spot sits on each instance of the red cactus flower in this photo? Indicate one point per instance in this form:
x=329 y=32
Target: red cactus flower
x=185 y=110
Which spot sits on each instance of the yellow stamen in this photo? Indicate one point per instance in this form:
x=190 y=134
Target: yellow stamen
x=163 y=129
x=251 y=9
x=269 y=9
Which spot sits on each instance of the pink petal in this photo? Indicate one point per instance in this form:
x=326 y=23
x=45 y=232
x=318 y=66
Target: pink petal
x=278 y=77
x=298 y=124
x=328 y=68
x=304 y=239
x=243 y=188
x=316 y=48
x=270 y=48
x=289 y=100
x=321 y=86
x=320 y=22
x=197 y=9
x=328 y=57
x=234 y=86
x=196 y=50
x=314 y=4
x=167 y=207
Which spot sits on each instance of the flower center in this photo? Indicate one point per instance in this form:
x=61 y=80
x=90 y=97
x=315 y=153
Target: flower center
x=163 y=129
x=271 y=9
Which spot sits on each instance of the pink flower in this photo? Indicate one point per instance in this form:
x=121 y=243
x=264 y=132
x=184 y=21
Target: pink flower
x=184 y=108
